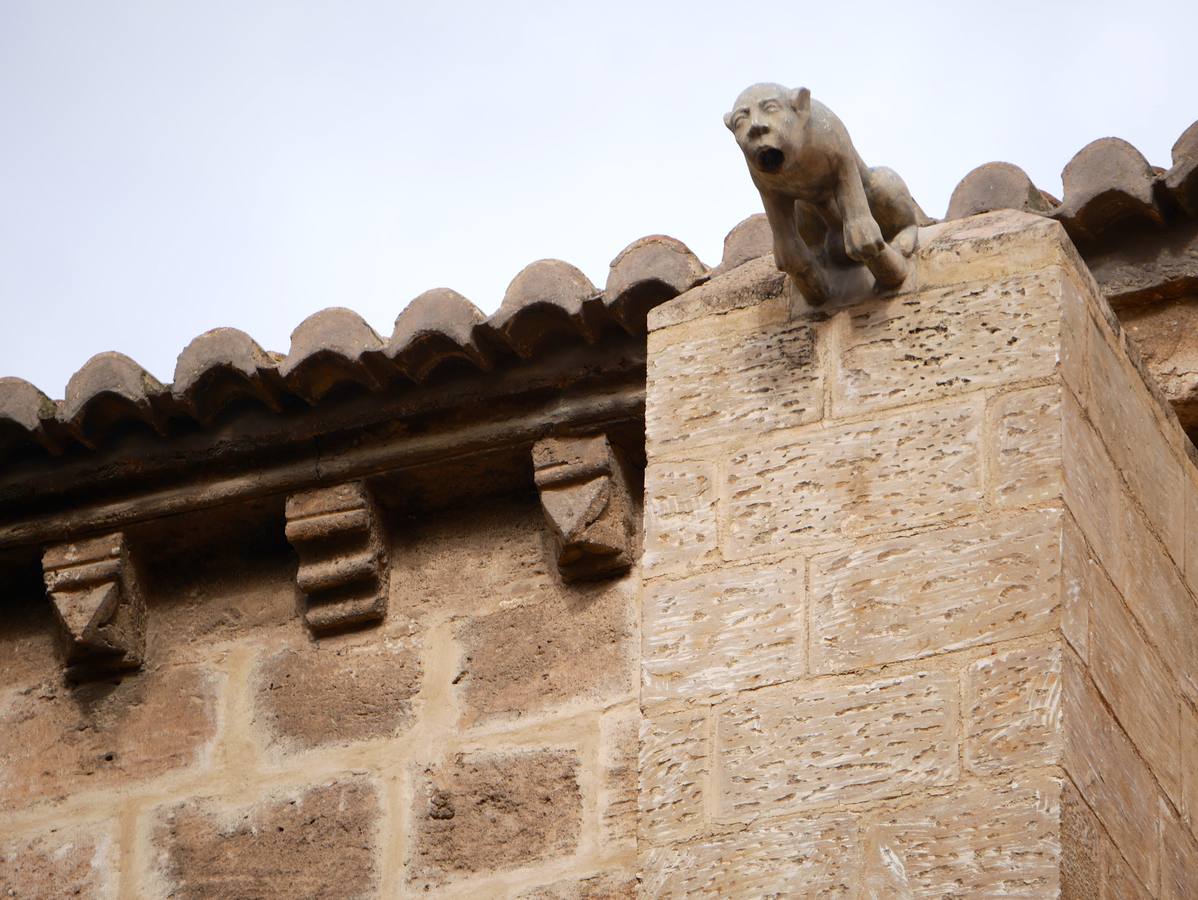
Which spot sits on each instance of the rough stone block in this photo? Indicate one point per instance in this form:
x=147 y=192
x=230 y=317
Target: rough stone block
x=337 y=533
x=334 y=695
x=984 y=840
x=57 y=742
x=62 y=862
x=1189 y=767
x=99 y=602
x=585 y=496
x=1027 y=446
x=674 y=769
x=533 y=656
x=1081 y=576
x=1190 y=564
x=1138 y=687
x=1119 y=882
x=916 y=347
x=1108 y=773
x=680 y=517
x=905 y=469
x=723 y=631
x=619 y=757
x=309 y=842
x=707 y=388
x=1164 y=333
x=1012 y=708
x=485 y=812
x=818 y=856
x=789 y=748
x=938 y=590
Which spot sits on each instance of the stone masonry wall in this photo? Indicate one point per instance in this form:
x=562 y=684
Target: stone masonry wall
x=918 y=612
x=481 y=742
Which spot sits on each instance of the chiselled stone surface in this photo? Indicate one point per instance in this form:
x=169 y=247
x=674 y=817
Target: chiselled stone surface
x=99 y=602
x=680 y=517
x=723 y=631
x=991 y=840
x=1081 y=575
x=905 y=469
x=1109 y=773
x=707 y=387
x=315 y=841
x=57 y=741
x=486 y=812
x=945 y=341
x=788 y=748
x=62 y=862
x=532 y=656
x=674 y=768
x=817 y=855
x=1138 y=687
x=938 y=590
x=1189 y=767
x=1012 y=709
x=1027 y=446
x=587 y=503
x=1119 y=881
x=1179 y=856
x=321 y=695
x=337 y=532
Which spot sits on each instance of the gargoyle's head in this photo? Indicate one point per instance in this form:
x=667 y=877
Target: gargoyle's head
x=768 y=121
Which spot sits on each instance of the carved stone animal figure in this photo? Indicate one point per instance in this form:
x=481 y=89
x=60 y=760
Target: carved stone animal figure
x=817 y=191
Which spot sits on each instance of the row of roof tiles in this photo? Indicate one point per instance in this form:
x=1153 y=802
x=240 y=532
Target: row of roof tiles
x=1107 y=183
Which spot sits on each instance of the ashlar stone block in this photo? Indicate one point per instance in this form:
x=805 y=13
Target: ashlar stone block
x=62 y=862
x=338 y=534
x=786 y=748
x=1012 y=708
x=99 y=603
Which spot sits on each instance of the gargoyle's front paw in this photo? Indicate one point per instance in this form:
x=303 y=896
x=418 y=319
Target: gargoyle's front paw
x=863 y=239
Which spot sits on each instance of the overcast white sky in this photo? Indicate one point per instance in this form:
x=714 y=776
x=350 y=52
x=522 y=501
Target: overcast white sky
x=168 y=167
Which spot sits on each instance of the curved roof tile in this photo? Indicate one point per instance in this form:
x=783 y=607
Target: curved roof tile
x=547 y=296
x=24 y=414
x=112 y=388
x=1107 y=181
x=647 y=272
x=219 y=366
x=995 y=185
x=748 y=240
x=437 y=326
x=332 y=347
x=1181 y=181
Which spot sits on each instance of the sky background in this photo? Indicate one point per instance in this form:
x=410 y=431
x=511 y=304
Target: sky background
x=170 y=167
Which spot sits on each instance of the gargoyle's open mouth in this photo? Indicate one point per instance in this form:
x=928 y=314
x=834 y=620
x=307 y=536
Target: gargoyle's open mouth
x=770 y=159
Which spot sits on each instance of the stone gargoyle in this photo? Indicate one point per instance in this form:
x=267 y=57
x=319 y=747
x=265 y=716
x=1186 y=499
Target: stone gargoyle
x=827 y=210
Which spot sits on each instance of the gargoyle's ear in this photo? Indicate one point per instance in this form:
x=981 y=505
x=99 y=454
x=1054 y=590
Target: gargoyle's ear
x=728 y=121
x=800 y=99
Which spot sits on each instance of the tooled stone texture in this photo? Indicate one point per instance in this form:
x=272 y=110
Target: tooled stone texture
x=315 y=841
x=1012 y=710
x=681 y=533
x=786 y=748
x=723 y=631
x=336 y=694
x=604 y=886
x=820 y=855
x=70 y=862
x=674 y=767
x=935 y=591
x=1027 y=445
x=844 y=480
x=57 y=741
x=484 y=812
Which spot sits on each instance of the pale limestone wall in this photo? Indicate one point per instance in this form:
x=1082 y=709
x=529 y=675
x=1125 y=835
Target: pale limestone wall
x=915 y=616
x=481 y=742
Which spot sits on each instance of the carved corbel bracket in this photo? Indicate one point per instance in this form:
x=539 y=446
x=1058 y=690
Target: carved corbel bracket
x=94 y=588
x=585 y=496
x=337 y=532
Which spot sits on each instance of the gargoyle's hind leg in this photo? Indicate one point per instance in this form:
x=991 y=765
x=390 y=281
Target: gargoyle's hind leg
x=895 y=211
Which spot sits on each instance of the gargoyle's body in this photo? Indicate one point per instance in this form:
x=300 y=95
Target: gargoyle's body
x=816 y=190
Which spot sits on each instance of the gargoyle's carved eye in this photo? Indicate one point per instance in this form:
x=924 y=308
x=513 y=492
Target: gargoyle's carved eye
x=739 y=119
x=771 y=106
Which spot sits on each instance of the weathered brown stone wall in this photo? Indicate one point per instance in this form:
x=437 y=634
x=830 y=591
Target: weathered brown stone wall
x=481 y=742
x=916 y=617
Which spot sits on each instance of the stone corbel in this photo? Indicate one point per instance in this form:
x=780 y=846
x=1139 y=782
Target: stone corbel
x=94 y=588
x=585 y=496
x=337 y=533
